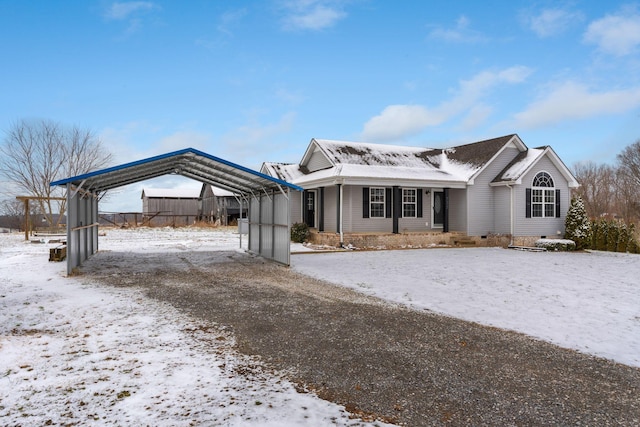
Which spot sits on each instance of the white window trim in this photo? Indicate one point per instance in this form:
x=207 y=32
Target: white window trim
x=414 y=203
x=371 y=202
x=544 y=191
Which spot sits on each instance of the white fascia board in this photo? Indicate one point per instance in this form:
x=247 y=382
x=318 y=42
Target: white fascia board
x=382 y=182
x=312 y=148
x=557 y=162
x=564 y=170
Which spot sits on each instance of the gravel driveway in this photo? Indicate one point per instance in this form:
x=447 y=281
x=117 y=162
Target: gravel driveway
x=381 y=360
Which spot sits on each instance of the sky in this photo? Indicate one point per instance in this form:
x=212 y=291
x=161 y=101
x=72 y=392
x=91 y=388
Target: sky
x=255 y=81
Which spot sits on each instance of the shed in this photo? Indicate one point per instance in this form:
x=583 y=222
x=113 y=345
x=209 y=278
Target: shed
x=267 y=199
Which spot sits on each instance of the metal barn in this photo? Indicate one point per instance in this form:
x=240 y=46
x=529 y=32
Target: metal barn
x=267 y=199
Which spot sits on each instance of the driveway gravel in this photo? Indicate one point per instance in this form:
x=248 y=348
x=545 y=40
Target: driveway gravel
x=382 y=361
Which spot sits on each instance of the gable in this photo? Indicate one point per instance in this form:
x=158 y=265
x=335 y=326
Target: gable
x=528 y=160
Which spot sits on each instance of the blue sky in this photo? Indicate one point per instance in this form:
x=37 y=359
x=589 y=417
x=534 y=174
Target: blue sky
x=254 y=81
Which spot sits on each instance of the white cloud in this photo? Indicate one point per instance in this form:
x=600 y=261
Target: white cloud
x=312 y=14
x=617 y=34
x=477 y=115
x=123 y=10
x=398 y=121
x=401 y=121
x=573 y=101
x=461 y=33
x=254 y=142
x=551 y=22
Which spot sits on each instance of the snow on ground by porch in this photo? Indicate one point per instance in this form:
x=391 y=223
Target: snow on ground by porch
x=585 y=301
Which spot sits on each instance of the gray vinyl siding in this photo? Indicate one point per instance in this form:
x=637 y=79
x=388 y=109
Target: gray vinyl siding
x=317 y=162
x=418 y=223
x=458 y=210
x=548 y=227
x=502 y=210
x=481 y=196
x=355 y=223
x=295 y=204
x=354 y=213
x=330 y=209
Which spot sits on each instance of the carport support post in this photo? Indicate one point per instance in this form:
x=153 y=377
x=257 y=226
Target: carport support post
x=240 y=222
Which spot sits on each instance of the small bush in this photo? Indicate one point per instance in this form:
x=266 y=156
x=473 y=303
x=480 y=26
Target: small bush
x=299 y=232
x=558 y=245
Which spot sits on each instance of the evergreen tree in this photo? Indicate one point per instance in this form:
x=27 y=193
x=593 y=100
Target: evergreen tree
x=633 y=246
x=612 y=235
x=595 y=224
x=623 y=237
x=577 y=225
x=601 y=238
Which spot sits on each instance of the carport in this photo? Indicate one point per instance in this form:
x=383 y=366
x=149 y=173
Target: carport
x=267 y=199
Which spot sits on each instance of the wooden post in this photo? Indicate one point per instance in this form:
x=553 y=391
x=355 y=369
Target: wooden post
x=26 y=219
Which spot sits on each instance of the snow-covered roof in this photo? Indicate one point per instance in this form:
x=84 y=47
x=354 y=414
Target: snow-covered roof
x=286 y=171
x=182 y=193
x=172 y=193
x=365 y=160
x=525 y=160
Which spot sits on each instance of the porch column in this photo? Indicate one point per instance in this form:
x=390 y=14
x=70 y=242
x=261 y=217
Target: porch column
x=321 y=209
x=397 y=207
x=339 y=210
x=445 y=220
x=305 y=211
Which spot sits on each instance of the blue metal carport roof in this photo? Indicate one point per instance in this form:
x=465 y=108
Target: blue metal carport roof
x=188 y=162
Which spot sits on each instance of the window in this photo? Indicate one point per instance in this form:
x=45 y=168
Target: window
x=376 y=202
x=409 y=203
x=543 y=196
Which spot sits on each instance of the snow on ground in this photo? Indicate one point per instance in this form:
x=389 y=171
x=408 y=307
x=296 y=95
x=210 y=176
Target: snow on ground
x=73 y=352
x=585 y=301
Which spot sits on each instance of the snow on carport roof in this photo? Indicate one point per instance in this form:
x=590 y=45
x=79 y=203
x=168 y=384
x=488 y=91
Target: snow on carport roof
x=188 y=162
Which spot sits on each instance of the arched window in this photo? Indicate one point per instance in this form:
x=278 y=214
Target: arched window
x=543 y=179
x=543 y=196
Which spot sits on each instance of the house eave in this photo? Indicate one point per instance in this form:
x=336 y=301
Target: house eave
x=383 y=182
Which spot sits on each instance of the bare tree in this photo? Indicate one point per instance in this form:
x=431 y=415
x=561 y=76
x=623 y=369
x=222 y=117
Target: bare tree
x=628 y=188
x=12 y=214
x=627 y=196
x=37 y=152
x=596 y=187
x=629 y=161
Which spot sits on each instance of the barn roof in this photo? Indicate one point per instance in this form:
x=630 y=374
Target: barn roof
x=188 y=162
x=172 y=193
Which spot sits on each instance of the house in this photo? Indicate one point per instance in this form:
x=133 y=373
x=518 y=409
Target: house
x=496 y=187
x=183 y=206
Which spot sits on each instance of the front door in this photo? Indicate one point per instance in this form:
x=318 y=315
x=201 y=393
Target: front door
x=438 y=208
x=310 y=208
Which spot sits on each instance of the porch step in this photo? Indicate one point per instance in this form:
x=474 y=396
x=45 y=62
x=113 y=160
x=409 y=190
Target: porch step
x=464 y=241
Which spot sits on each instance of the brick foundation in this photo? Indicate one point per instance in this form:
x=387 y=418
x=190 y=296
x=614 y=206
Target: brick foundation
x=407 y=240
